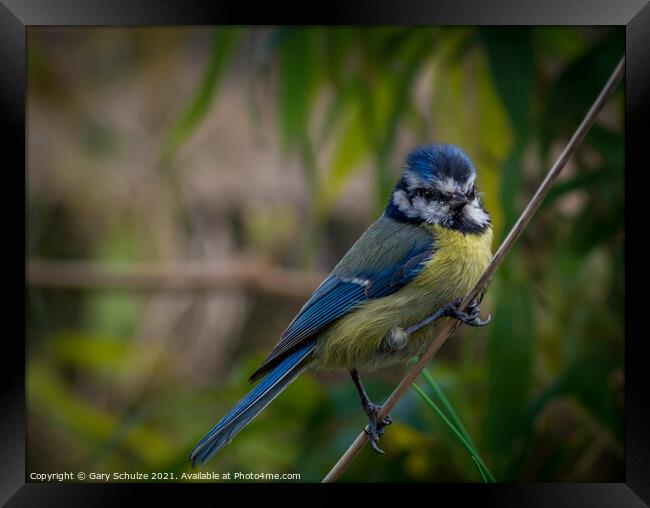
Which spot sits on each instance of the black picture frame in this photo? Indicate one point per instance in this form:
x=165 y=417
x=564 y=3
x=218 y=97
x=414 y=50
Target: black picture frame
x=17 y=15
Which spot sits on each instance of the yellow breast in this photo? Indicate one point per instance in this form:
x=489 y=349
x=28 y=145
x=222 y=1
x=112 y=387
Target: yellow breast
x=456 y=265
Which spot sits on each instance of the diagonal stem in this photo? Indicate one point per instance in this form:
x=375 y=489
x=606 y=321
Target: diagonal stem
x=534 y=203
x=463 y=438
x=453 y=416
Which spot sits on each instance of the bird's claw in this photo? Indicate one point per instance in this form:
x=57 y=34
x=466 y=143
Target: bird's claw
x=375 y=429
x=470 y=316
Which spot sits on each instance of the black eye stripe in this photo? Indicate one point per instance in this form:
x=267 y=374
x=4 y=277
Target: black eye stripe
x=428 y=194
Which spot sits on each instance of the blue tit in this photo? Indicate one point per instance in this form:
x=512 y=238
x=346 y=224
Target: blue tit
x=428 y=249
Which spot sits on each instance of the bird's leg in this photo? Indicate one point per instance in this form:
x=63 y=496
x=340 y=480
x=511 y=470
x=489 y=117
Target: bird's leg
x=470 y=316
x=375 y=429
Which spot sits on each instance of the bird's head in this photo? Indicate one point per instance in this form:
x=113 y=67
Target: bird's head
x=437 y=186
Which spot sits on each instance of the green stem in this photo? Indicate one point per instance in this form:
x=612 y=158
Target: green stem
x=447 y=405
x=480 y=470
x=461 y=438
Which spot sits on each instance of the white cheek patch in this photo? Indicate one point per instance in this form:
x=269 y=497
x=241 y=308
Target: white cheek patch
x=474 y=213
x=401 y=201
x=436 y=212
x=431 y=212
x=413 y=181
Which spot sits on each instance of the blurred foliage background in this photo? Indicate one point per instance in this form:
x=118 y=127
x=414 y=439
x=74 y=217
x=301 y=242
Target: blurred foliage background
x=276 y=147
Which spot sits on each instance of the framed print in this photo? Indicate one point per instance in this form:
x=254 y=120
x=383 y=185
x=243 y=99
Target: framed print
x=381 y=244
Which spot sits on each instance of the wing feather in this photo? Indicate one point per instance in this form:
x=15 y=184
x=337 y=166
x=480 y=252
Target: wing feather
x=390 y=263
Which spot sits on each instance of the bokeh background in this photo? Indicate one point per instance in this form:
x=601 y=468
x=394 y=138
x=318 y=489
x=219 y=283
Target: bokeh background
x=189 y=187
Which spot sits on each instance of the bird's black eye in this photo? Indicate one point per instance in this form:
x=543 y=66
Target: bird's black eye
x=472 y=193
x=424 y=193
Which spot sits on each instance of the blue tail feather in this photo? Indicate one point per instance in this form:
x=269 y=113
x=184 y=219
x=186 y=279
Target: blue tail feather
x=251 y=405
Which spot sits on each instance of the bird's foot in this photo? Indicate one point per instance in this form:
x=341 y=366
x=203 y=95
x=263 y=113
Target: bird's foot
x=470 y=316
x=375 y=428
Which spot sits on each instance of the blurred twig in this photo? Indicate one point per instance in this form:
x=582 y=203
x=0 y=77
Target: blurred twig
x=247 y=273
x=534 y=203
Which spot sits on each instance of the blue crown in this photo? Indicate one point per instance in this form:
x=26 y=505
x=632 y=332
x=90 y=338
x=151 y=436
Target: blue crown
x=439 y=161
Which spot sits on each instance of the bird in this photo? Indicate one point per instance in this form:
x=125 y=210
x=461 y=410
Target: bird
x=411 y=267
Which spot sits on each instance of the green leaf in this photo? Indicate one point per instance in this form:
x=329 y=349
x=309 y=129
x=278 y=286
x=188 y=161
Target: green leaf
x=391 y=95
x=480 y=470
x=225 y=40
x=510 y=185
x=484 y=471
x=493 y=142
x=345 y=99
x=560 y=41
x=453 y=416
x=577 y=85
x=585 y=180
x=510 y=348
x=91 y=352
x=101 y=355
x=349 y=151
x=297 y=84
x=338 y=42
x=511 y=57
x=114 y=313
x=84 y=420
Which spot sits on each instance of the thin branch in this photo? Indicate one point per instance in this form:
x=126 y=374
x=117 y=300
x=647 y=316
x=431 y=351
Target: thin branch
x=247 y=273
x=513 y=235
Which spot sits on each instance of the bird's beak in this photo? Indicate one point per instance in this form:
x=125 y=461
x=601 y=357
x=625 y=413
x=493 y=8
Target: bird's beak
x=458 y=201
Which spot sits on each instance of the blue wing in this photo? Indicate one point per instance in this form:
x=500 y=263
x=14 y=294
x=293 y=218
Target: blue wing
x=383 y=261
